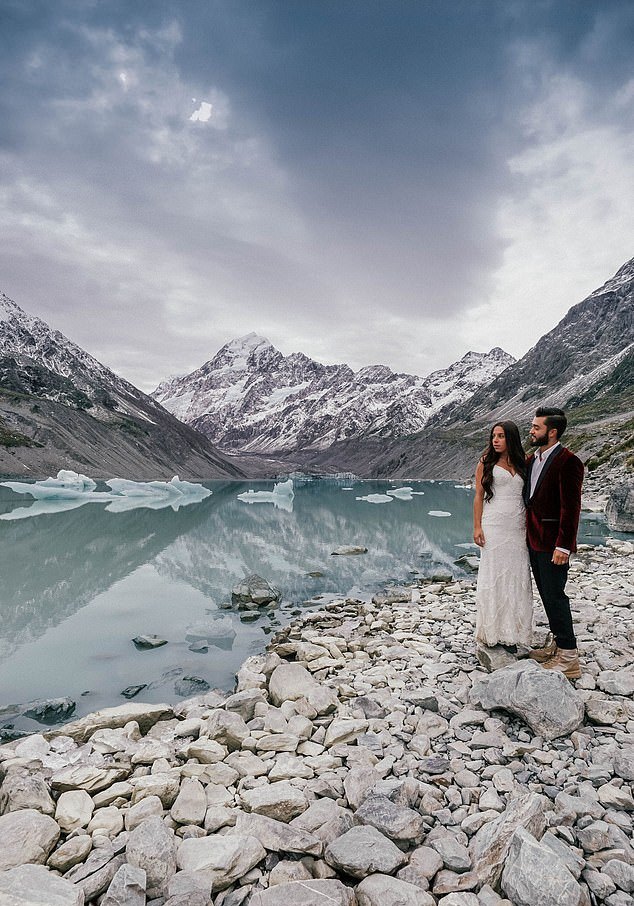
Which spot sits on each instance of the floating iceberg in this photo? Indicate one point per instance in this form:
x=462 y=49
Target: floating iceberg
x=70 y=490
x=439 y=513
x=67 y=486
x=281 y=496
x=377 y=498
x=401 y=493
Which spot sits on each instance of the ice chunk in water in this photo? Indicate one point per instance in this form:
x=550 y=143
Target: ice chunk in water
x=401 y=493
x=67 y=486
x=376 y=498
x=70 y=489
x=281 y=496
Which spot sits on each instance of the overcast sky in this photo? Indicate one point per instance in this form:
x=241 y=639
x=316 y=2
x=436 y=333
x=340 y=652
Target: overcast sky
x=364 y=181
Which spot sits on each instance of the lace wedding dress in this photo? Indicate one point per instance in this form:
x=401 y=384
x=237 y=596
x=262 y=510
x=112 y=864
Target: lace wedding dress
x=504 y=596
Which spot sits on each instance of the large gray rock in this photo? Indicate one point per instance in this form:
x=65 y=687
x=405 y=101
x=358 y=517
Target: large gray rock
x=102 y=857
x=86 y=777
x=290 y=682
x=624 y=763
x=127 y=888
x=227 y=728
x=74 y=810
x=544 y=699
x=358 y=782
x=254 y=590
x=190 y=805
x=146 y=808
x=606 y=711
x=22 y=790
x=616 y=797
x=243 y=703
x=98 y=881
x=621 y=873
x=281 y=800
x=26 y=836
x=534 y=876
x=145 y=715
x=494 y=658
x=490 y=846
x=72 y=852
x=344 y=729
x=362 y=851
x=572 y=858
x=454 y=855
x=619 y=510
x=383 y=890
x=152 y=847
x=34 y=885
x=397 y=823
x=616 y=682
x=276 y=836
x=286 y=871
x=161 y=784
x=220 y=859
x=324 y=819
x=424 y=863
x=324 y=892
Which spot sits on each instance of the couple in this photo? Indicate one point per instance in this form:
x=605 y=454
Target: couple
x=526 y=510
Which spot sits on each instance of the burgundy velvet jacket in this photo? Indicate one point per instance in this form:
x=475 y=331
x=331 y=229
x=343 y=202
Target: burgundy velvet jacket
x=552 y=513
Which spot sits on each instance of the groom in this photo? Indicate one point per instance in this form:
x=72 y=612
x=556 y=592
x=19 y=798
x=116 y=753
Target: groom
x=553 y=502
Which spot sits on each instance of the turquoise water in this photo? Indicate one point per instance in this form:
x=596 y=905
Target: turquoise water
x=77 y=586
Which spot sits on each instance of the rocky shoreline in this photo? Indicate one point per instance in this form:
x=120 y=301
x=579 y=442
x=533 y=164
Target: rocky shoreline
x=368 y=758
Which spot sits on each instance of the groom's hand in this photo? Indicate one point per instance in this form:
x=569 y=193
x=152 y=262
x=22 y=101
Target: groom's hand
x=560 y=558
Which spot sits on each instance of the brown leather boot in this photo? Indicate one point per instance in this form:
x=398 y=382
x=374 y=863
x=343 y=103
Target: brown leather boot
x=543 y=654
x=566 y=661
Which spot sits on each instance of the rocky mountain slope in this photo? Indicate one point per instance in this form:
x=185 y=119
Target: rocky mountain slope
x=252 y=399
x=61 y=408
x=585 y=364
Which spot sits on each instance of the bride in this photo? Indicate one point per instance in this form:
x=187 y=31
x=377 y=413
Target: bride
x=504 y=597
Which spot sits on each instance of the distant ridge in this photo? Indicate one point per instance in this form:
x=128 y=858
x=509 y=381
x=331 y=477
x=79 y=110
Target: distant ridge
x=61 y=408
x=585 y=364
x=249 y=398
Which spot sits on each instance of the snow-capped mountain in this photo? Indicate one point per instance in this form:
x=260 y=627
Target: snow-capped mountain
x=251 y=398
x=585 y=365
x=60 y=407
x=593 y=339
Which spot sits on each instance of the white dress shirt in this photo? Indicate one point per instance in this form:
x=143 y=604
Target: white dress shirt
x=538 y=464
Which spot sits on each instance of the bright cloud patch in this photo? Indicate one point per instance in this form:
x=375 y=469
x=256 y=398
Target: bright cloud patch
x=203 y=114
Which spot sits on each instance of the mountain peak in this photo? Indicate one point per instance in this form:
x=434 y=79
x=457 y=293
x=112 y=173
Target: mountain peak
x=243 y=353
x=250 y=398
x=10 y=311
x=248 y=341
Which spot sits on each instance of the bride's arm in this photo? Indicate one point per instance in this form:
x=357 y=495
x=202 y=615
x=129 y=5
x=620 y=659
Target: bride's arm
x=478 y=503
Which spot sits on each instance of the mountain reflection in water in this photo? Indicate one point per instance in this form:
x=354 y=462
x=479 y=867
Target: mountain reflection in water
x=78 y=585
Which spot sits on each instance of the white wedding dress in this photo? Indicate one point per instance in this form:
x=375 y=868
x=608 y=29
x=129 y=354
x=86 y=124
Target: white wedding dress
x=504 y=596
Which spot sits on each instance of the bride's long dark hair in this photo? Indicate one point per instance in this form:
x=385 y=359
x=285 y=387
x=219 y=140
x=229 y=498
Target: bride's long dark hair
x=515 y=451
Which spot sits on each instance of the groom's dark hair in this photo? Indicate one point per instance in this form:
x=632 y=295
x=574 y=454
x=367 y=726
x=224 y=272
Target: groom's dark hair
x=555 y=418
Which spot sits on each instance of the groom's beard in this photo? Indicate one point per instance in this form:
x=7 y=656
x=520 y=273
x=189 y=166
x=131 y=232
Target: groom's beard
x=538 y=441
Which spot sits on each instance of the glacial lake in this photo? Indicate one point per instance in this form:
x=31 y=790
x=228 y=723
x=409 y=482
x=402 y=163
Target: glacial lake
x=77 y=586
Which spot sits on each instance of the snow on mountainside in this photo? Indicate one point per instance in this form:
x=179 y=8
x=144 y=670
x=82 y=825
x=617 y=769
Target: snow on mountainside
x=251 y=398
x=27 y=342
x=61 y=408
x=585 y=365
x=588 y=344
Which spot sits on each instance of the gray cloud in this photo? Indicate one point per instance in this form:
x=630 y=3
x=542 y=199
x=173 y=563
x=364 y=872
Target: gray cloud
x=363 y=183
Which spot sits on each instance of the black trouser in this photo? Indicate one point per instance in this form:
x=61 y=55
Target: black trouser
x=551 y=585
